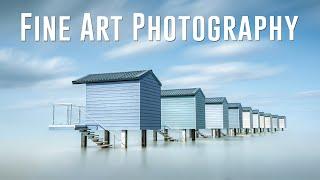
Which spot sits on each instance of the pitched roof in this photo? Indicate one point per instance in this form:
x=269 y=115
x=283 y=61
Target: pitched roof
x=114 y=77
x=255 y=111
x=267 y=114
x=234 y=105
x=275 y=116
x=246 y=109
x=282 y=117
x=261 y=113
x=216 y=100
x=180 y=92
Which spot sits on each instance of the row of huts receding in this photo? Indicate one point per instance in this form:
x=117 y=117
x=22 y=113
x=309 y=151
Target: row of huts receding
x=134 y=101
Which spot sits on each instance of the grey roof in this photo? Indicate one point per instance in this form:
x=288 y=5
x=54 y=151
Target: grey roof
x=180 y=92
x=255 y=111
x=234 y=105
x=216 y=100
x=246 y=109
x=267 y=114
x=114 y=77
x=275 y=116
x=282 y=117
x=261 y=113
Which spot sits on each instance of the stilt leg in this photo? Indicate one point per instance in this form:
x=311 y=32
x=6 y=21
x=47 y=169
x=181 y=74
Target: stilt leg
x=124 y=138
x=155 y=135
x=193 y=134
x=144 y=138
x=83 y=139
x=107 y=136
x=184 y=135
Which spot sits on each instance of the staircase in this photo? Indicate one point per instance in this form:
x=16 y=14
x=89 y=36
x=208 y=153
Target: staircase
x=201 y=134
x=166 y=136
x=95 y=138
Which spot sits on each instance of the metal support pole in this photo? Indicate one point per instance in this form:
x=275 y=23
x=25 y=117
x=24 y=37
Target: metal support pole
x=53 y=111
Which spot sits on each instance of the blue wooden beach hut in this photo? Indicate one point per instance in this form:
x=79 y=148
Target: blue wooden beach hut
x=255 y=120
x=183 y=109
x=262 y=121
x=235 y=117
x=275 y=122
x=282 y=122
x=123 y=101
x=267 y=121
x=217 y=117
x=247 y=119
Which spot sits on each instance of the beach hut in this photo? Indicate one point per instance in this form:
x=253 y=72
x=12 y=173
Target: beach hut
x=123 y=101
x=255 y=120
x=282 y=122
x=275 y=122
x=183 y=109
x=261 y=119
x=235 y=117
x=217 y=114
x=247 y=119
x=267 y=121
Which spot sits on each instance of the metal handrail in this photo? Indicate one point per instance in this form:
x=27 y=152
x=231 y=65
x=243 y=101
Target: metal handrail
x=101 y=126
x=70 y=108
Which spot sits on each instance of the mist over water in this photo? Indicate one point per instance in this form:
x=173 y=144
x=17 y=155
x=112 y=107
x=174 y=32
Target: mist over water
x=57 y=155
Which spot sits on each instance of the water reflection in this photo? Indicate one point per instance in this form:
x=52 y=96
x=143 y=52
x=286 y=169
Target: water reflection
x=58 y=155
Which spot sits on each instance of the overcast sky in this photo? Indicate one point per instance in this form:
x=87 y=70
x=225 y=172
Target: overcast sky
x=276 y=77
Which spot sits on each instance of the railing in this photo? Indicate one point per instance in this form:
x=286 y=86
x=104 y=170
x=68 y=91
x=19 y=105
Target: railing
x=74 y=114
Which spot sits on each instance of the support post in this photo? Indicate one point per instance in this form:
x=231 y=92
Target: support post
x=212 y=133
x=166 y=134
x=218 y=133
x=124 y=138
x=155 y=135
x=107 y=136
x=193 y=134
x=234 y=132
x=281 y=129
x=83 y=139
x=197 y=134
x=184 y=135
x=144 y=138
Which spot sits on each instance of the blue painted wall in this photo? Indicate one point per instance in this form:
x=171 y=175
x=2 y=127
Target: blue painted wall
x=126 y=105
x=184 y=112
x=200 y=110
x=217 y=116
x=178 y=112
x=150 y=106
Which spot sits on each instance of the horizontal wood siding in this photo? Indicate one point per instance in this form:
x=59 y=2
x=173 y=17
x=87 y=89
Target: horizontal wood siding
x=225 y=115
x=261 y=124
x=200 y=111
x=267 y=121
x=150 y=103
x=234 y=118
x=275 y=123
x=178 y=112
x=115 y=105
x=282 y=123
x=247 y=119
x=214 y=116
x=255 y=120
